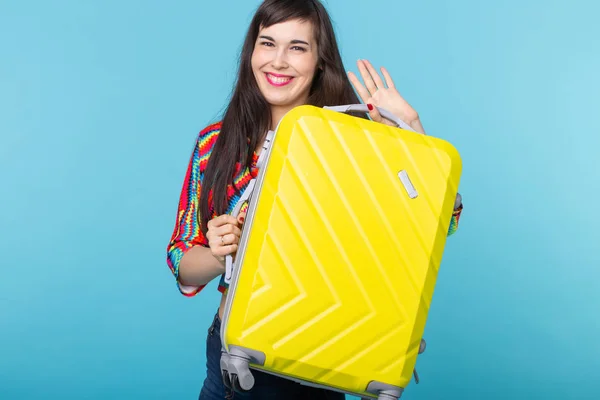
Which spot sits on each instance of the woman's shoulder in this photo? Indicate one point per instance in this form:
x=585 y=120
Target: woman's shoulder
x=205 y=142
x=208 y=136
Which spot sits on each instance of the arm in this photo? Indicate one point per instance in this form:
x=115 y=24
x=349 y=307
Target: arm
x=458 y=207
x=189 y=256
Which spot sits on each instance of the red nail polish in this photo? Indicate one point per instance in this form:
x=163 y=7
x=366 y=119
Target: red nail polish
x=370 y=106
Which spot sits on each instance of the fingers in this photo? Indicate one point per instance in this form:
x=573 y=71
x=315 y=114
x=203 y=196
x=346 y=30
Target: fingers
x=360 y=89
x=221 y=220
x=222 y=245
x=224 y=234
x=373 y=81
x=374 y=75
x=228 y=229
x=226 y=239
x=222 y=251
x=374 y=114
x=367 y=78
x=388 y=78
x=365 y=97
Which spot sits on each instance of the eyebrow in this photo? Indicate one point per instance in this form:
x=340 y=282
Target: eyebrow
x=295 y=41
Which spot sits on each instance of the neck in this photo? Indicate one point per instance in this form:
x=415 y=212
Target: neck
x=277 y=112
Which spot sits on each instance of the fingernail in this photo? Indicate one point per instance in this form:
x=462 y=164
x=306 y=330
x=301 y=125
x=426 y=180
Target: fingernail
x=370 y=106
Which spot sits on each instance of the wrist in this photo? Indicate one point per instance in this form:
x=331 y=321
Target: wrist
x=220 y=263
x=417 y=125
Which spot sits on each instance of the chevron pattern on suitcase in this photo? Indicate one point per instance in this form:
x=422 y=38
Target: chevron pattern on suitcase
x=340 y=264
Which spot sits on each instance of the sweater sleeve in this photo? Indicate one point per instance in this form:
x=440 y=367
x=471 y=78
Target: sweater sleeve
x=458 y=207
x=187 y=232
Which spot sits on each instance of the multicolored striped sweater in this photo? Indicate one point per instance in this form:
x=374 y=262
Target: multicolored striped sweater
x=187 y=232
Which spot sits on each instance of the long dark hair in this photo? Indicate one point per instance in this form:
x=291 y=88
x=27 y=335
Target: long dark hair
x=248 y=116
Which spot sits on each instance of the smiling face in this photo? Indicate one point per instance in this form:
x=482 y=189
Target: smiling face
x=284 y=62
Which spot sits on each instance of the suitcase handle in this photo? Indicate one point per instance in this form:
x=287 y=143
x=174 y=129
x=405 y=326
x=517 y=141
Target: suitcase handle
x=236 y=211
x=363 y=108
x=245 y=197
x=387 y=115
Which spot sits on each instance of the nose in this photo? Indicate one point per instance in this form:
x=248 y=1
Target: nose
x=280 y=59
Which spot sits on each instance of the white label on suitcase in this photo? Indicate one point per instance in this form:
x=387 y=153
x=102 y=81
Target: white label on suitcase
x=410 y=188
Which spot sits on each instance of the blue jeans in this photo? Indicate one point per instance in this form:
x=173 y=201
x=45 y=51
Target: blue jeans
x=266 y=386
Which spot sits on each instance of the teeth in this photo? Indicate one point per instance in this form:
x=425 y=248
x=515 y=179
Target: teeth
x=278 y=80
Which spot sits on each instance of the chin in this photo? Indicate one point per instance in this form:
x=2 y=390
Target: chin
x=277 y=100
x=279 y=97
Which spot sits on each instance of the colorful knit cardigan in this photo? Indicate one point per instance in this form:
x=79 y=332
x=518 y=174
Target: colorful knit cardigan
x=187 y=232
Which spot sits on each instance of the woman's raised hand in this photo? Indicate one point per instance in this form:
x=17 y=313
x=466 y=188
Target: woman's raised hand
x=384 y=95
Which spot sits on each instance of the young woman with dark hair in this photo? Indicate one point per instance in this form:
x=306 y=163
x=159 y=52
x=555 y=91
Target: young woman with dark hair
x=290 y=57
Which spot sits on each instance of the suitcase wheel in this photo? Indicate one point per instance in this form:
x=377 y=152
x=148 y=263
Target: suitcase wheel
x=232 y=381
x=384 y=391
x=224 y=366
x=236 y=374
x=386 y=396
x=382 y=396
x=226 y=380
x=242 y=379
x=236 y=383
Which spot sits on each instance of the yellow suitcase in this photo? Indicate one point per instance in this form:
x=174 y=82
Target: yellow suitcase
x=344 y=234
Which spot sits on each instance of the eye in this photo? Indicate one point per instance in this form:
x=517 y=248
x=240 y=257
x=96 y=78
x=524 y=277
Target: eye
x=299 y=48
x=268 y=44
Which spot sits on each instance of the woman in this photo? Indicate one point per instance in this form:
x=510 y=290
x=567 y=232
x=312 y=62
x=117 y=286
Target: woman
x=290 y=57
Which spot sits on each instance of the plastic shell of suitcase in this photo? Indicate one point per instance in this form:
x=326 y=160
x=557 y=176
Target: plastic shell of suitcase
x=339 y=255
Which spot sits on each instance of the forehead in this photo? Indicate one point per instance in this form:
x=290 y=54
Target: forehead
x=290 y=30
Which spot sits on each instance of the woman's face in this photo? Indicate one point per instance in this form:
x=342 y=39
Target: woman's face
x=284 y=63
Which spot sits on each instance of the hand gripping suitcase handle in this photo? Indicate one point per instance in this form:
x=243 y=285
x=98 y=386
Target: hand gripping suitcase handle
x=246 y=198
x=236 y=211
x=363 y=108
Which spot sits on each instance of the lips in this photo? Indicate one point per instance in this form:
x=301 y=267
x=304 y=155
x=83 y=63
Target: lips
x=278 y=80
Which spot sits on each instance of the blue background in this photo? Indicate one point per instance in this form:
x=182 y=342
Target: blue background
x=101 y=101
